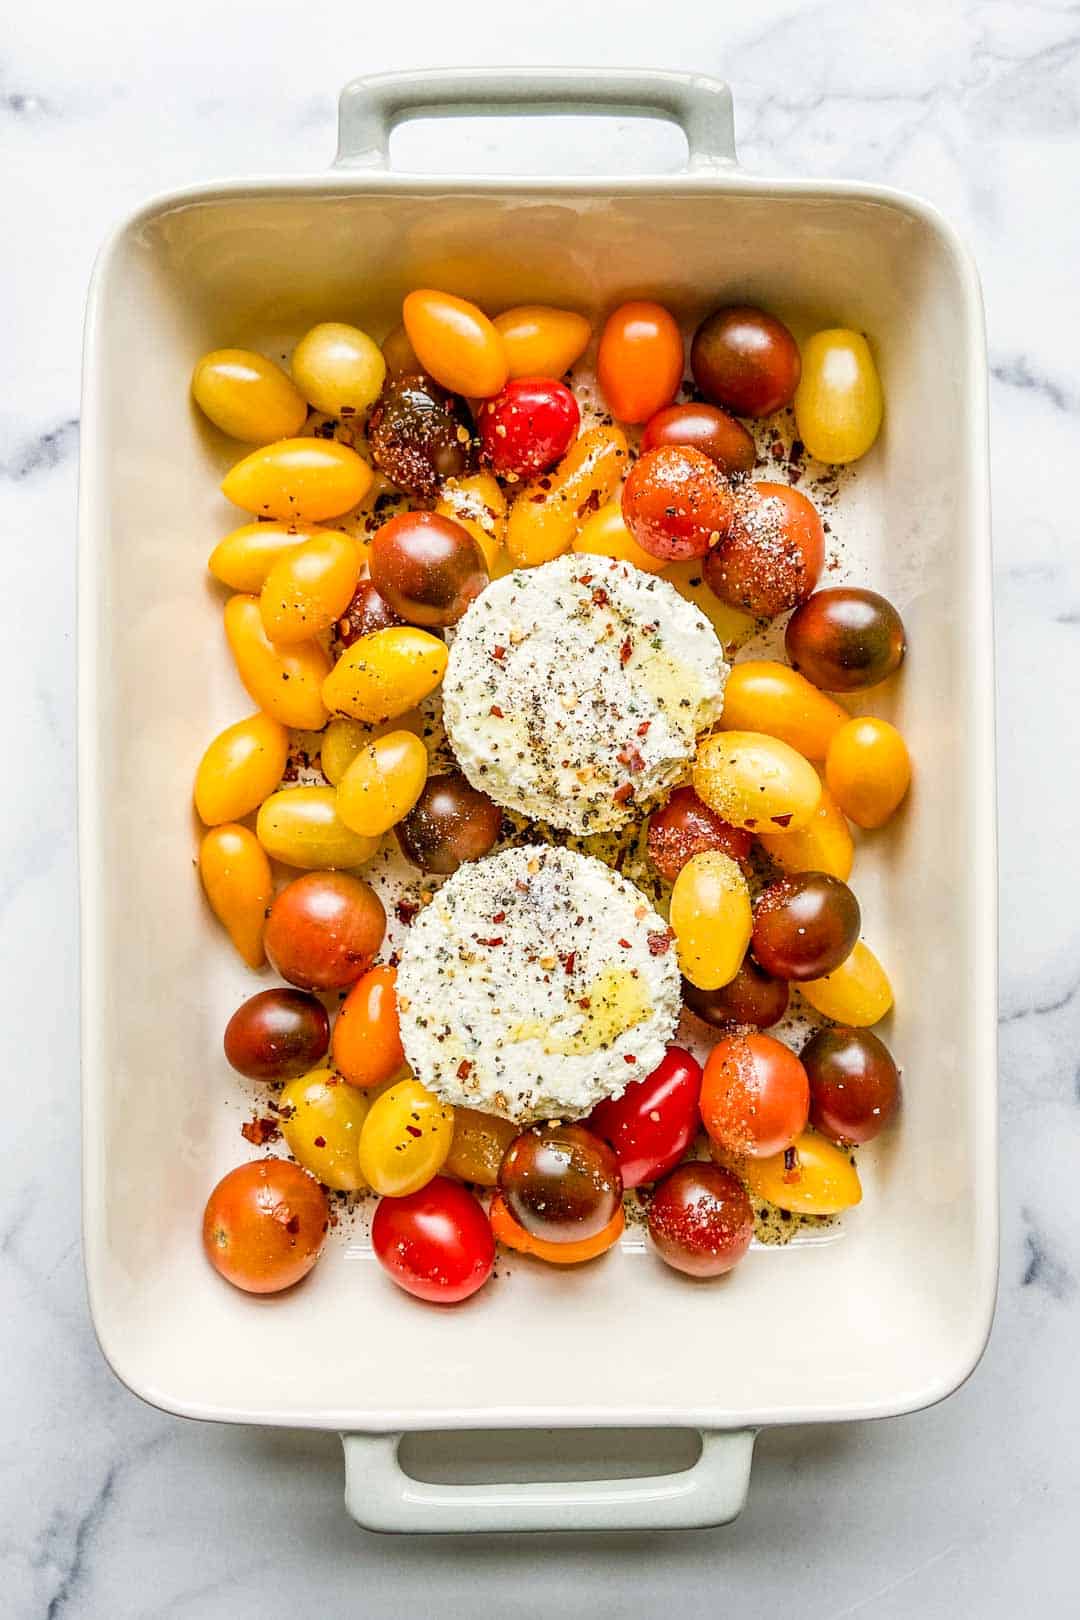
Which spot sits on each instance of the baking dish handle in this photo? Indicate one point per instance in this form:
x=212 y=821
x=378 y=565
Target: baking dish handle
x=380 y=1495
x=370 y=108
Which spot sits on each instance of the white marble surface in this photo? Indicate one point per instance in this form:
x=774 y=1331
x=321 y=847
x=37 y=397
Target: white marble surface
x=110 y=1509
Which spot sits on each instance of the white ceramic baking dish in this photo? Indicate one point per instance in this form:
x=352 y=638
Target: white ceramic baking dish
x=888 y=1319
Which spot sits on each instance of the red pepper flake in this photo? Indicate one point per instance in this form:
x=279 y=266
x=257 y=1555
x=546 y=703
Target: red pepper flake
x=320 y=1141
x=498 y=653
x=414 y=1130
x=600 y=597
x=643 y=729
x=464 y=1069
x=628 y=1057
x=496 y=711
x=630 y=757
x=498 y=940
x=626 y=651
x=521 y=886
x=792 y=1173
x=584 y=1003
x=623 y=792
x=585 y=579
x=625 y=943
x=782 y=821
x=405 y=911
x=568 y=962
x=660 y=941
x=260 y=1131
x=499 y=917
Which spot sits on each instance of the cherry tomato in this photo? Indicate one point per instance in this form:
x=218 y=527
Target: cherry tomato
x=746 y=360
x=427 y=567
x=480 y=1141
x=764 y=696
x=527 y=427
x=338 y=368
x=436 y=1243
x=751 y=997
x=770 y=557
x=846 y=639
x=265 y=1225
x=676 y=502
x=321 y=1120
x=857 y=992
x=309 y=587
x=640 y=361
x=811 y=1177
x=514 y=1236
x=241 y=767
x=301 y=480
x=247 y=396
x=755 y=1096
x=701 y=1220
x=455 y=342
x=366 y=613
x=706 y=428
x=542 y=342
x=479 y=505
x=246 y=555
x=823 y=844
x=838 y=403
x=324 y=929
x=236 y=876
x=399 y=354
x=382 y=783
x=711 y=918
x=605 y=534
x=450 y=822
x=300 y=826
x=386 y=674
x=756 y=782
x=277 y=1035
x=546 y=514
x=419 y=435
x=854 y=1083
x=560 y=1182
x=805 y=925
x=653 y=1123
x=405 y=1139
x=366 y=1047
x=285 y=682
x=685 y=827
x=868 y=770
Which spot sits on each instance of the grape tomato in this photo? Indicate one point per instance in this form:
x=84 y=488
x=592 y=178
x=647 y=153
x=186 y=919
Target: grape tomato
x=761 y=695
x=405 y=1139
x=285 y=682
x=419 y=435
x=247 y=396
x=805 y=925
x=854 y=1083
x=811 y=1177
x=241 y=767
x=338 y=369
x=527 y=427
x=236 y=876
x=838 y=403
x=384 y=675
x=712 y=919
x=436 y=1243
x=769 y=558
x=547 y=514
x=277 y=1034
x=561 y=1183
x=308 y=480
x=868 y=771
x=246 y=555
x=450 y=822
x=309 y=587
x=605 y=534
x=321 y=1119
x=857 y=992
x=652 y=1124
x=539 y=341
x=455 y=342
x=366 y=1044
x=845 y=639
x=479 y=505
x=822 y=844
x=751 y=997
x=479 y=1144
x=756 y=782
x=685 y=827
x=428 y=568
x=382 y=783
x=639 y=363
x=300 y=826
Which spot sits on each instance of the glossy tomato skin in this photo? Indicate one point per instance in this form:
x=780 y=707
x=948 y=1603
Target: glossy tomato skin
x=676 y=503
x=324 y=929
x=561 y=1182
x=751 y=997
x=771 y=556
x=436 y=1244
x=366 y=1045
x=639 y=363
x=685 y=827
x=755 y=1097
x=701 y=1220
x=652 y=1124
x=277 y=1035
x=419 y=434
x=366 y=613
x=746 y=360
x=805 y=925
x=427 y=567
x=450 y=822
x=706 y=428
x=846 y=639
x=528 y=427
x=264 y=1225
x=854 y=1083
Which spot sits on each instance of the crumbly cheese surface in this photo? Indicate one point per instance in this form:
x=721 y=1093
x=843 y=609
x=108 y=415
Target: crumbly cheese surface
x=575 y=691
x=536 y=982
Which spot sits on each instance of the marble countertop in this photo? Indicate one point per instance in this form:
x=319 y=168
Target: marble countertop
x=112 y=1509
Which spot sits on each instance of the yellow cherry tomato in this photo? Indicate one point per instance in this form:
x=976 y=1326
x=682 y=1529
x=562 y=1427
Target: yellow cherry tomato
x=868 y=770
x=731 y=626
x=383 y=783
x=405 y=1139
x=244 y=558
x=764 y=696
x=540 y=341
x=712 y=919
x=309 y=587
x=338 y=369
x=838 y=403
x=858 y=992
x=755 y=781
x=824 y=844
x=303 y=479
x=814 y=1177
x=247 y=396
x=286 y=682
x=241 y=766
x=547 y=514
x=479 y=1143
x=479 y=505
x=341 y=742
x=605 y=534
x=321 y=1120
x=455 y=343
x=300 y=826
x=236 y=876
x=384 y=674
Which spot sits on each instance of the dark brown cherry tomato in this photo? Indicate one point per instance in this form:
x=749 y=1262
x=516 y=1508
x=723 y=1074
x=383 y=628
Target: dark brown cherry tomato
x=701 y=1220
x=437 y=1243
x=324 y=929
x=746 y=360
x=846 y=639
x=427 y=567
x=706 y=428
x=805 y=925
x=676 y=502
x=751 y=997
x=265 y=1224
x=561 y=1182
x=528 y=427
x=653 y=1123
x=685 y=827
x=755 y=1096
x=419 y=434
x=854 y=1083
x=772 y=554
x=366 y=613
x=277 y=1035
x=450 y=822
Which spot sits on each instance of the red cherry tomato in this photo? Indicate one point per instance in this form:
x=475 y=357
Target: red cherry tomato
x=755 y=1096
x=769 y=558
x=685 y=827
x=706 y=428
x=676 y=502
x=528 y=427
x=265 y=1224
x=324 y=929
x=653 y=1123
x=436 y=1243
x=640 y=360
x=701 y=1220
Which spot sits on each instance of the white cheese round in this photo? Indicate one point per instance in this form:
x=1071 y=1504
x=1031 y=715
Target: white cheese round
x=535 y=983
x=576 y=691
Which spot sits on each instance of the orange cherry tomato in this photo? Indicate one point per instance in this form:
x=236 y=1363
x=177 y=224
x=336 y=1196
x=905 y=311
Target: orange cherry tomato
x=366 y=1046
x=764 y=696
x=310 y=587
x=513 y=1236
x=265 y=1225
x=605 y=535
x=540 y=341
x=868 y=770
x=241 y=767
x=301 y=480
x=640 y=363
x=755 y=1094
x=236 y=876
x=455 y=343
x=286 y=682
